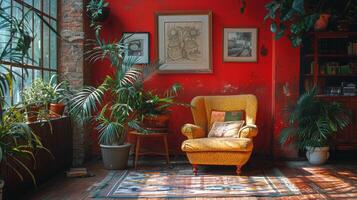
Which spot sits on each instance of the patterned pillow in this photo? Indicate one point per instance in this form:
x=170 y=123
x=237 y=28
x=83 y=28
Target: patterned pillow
x=225 y=129
x=225 y=116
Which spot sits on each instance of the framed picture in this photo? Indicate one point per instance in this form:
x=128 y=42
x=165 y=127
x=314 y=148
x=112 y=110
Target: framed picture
x=240 y=44
x=137 y=46
x=183 y=41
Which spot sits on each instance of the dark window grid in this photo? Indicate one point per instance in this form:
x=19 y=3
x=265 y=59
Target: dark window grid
x=33 y=67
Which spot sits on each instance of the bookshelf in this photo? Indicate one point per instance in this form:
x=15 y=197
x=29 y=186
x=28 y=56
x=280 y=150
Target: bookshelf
x=329 y=61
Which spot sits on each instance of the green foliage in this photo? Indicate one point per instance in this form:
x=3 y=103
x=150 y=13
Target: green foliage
x=313 y=121
x=39 y=93
x=289 y=17
x=95 y=9
x=153 y=104
x=17 y=142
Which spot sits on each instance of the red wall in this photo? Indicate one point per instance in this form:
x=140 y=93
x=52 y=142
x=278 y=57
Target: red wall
x=227 y=78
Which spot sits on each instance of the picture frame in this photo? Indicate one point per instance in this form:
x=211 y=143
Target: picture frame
x=138 y=46
x=184 y=41
x=240 y=44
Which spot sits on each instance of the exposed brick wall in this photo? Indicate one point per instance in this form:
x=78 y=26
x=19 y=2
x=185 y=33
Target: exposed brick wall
x=72 y=65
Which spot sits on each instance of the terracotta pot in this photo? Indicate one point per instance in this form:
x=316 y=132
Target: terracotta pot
x=32 y=113
x=322 y=22
x=156 y=121
x=57 y=109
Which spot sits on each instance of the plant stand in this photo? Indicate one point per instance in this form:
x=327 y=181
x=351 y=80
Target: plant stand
x=139 y=136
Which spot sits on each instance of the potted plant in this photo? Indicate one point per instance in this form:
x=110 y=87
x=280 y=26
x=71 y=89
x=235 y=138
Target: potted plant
x=98 y=10
x=61 y=97
x=36 y=99
x=154 y=110
x=312 y=123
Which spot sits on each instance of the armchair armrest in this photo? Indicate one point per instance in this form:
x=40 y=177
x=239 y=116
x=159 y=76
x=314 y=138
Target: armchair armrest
x=192 y=131
x=248 y=131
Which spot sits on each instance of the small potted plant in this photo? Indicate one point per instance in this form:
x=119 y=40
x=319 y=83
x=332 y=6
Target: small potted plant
x=61 y=97
x=98 y=10
x=36 y=99
x=154 y=110
x=312 y=123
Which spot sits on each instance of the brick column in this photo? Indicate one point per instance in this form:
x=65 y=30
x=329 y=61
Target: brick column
x=71 y=65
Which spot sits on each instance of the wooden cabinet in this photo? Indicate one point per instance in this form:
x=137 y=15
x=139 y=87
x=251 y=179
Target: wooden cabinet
x=58 y=142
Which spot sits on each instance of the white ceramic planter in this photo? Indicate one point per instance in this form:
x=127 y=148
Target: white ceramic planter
x=317 y=155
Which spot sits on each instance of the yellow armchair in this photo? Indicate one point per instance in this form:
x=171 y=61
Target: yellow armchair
x=201 y=150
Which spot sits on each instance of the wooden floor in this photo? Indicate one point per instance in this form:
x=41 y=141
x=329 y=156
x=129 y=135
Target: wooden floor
x=314 y=182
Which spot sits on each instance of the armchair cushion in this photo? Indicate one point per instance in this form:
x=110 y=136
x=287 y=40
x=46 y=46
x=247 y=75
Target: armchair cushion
x=217 y=145
x=192 y=131
x=248 y=131
x=225 y=129
x=225 y=116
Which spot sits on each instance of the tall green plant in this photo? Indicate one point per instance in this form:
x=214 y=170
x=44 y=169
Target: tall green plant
x=111 y=104
x=314 y=121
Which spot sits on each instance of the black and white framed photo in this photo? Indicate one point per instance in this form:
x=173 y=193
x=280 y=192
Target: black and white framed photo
x=137 y=46
x=240 y=44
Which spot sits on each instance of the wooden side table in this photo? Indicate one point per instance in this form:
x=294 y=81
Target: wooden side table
x=139 y=136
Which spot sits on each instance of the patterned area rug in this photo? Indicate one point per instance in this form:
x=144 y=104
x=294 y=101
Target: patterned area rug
x=179 y=182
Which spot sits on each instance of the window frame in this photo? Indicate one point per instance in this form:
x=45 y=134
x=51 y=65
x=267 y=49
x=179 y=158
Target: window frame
x=40 y=66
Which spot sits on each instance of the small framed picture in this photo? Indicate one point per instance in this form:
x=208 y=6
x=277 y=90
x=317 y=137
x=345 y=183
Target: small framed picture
x=137 y=46
x=183 y=41
x=240 y=44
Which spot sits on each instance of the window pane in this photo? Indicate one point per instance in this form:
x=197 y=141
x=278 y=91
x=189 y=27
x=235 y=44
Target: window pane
x=37 y=41
x=29 y=19
x=28 y=78
x=46 y=44
x=46 y=76
x=29 y=2
x=37 y=4
x=17 y=85
x=37 y=73
x=53 y=10
x=53 y=47
x=46 y=6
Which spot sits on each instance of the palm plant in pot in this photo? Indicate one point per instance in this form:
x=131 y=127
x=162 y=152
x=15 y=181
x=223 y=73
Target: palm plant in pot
x=312 y=123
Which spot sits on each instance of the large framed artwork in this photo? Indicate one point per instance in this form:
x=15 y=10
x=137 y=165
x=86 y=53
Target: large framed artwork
x=183 y=41
x=137 y=46
x=240 y=44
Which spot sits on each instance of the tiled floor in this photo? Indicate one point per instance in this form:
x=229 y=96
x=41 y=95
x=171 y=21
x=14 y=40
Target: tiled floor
x=336 y=180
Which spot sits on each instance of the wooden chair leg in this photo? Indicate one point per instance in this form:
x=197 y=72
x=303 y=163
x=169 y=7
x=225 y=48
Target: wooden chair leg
x=166 y=150
x=239 y=169
x=195 y=169
x=137 y=151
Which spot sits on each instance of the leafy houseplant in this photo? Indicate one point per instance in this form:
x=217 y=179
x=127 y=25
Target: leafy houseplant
x=312 y=123
x=294 y=18
x=36 y=98
x=17 y=142
x=111 y=104
x=98 y=10
x=154 y=110
x=61 y=97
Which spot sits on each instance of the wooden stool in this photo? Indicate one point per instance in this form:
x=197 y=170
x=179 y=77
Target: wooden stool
x=149 y=135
